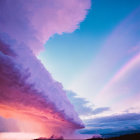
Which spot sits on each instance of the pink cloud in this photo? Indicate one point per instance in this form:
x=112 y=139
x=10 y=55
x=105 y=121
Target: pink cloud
x=34 y=22
x=28 y=93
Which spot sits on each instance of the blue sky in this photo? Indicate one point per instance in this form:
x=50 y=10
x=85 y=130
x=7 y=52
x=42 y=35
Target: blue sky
x=69 y=54
x=87 y=74
x=99 y=62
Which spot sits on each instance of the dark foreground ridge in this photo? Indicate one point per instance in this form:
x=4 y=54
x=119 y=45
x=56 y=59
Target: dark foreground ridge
x=124 y=137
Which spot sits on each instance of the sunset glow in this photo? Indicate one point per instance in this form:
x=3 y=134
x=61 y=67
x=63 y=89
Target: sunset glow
x=69 y=69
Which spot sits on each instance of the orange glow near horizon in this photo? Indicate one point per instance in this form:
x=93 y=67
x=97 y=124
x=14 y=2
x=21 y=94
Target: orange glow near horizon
x=18 y=136
x=30 y=120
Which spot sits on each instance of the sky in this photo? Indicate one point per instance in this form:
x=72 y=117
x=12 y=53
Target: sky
x=88 y=59
x=81 y=47
x=66 y=65
x=99 y=63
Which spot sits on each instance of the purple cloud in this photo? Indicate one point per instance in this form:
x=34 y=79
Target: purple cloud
x=28 y=88
x=28 y=93
x=82 y=107
x=34 y=22
x=114 y=125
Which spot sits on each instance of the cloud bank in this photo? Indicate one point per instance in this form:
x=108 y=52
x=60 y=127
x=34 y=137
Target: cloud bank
x=82 y=106
x=34 y=22
x=28 y=93
x=114 y=125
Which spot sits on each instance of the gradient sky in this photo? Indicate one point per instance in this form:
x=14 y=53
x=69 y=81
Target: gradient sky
x=100 y=61
x=66 y=64
x=70 y=57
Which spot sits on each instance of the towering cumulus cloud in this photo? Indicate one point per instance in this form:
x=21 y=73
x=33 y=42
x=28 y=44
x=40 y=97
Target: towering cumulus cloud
x=33 y=22
x=28 y=93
